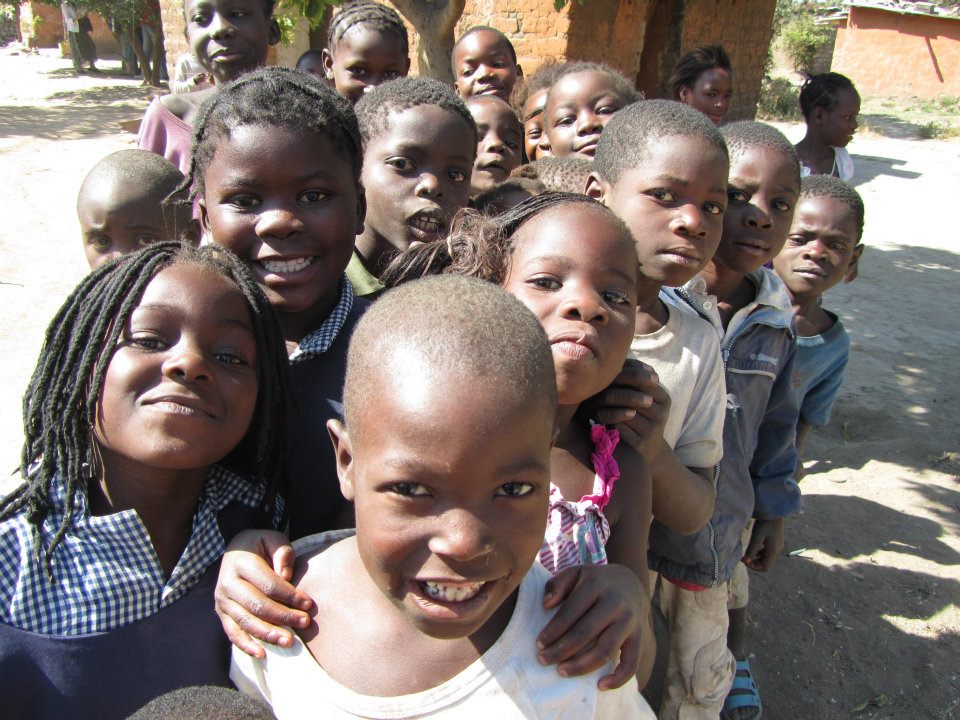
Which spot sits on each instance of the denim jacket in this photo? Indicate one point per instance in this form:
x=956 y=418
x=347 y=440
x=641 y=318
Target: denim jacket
x=755 y=476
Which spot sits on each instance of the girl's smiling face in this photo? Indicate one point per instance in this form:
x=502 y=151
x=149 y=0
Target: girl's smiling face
x=576 y=269
x=578 y=106
x=181 y=387
x=365 y=58
x=710 y=94
x=763 y=191
x=290 y=207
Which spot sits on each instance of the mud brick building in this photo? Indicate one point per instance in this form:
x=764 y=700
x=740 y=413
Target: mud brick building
x=641 y=38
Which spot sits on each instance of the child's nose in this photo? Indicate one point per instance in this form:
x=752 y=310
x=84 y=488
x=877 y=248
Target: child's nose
x=428 y=184
x=186 y=362
x=758 y=217
x=589 y=123
x=815 y=250
x=493 y=143
x=279 y=223
x=689 y=221
x=220 y=26
x=461 y=536
x=585 y=304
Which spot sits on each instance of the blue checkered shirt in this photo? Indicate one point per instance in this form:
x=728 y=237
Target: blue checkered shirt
x=320 y=340
x=106 y=571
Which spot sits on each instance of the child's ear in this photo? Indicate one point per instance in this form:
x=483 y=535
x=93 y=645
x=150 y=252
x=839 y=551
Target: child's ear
x=684 y=93
x=361 y=207
x=274 y=36
x=596 y=188
x=326 y=59
x=204 y=215
x=519 y=71
x=192 y=233
x=344 y=453
x=853 y=268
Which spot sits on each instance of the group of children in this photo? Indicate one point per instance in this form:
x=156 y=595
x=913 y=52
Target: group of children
x=515 y=379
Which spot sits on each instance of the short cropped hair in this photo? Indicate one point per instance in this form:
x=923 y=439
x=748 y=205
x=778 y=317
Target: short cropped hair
x=374 y=108
x=279 y=97
x=309 y=55
x=626 y=138
x=382 y=18
x=203 y=702
x=460 y=326
x=491 y=201
x=624 y=88
x=485 y=28
x=696 y=62
x=561 y=174
x=153 y=175
x=814 y=186
x=745 y=134
x=823 y=91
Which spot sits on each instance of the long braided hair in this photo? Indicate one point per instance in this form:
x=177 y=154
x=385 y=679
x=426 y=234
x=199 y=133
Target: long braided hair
x=60 y=404
x=278 y=97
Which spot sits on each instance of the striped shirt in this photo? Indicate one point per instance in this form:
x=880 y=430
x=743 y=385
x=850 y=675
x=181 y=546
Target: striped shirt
x=106 y=572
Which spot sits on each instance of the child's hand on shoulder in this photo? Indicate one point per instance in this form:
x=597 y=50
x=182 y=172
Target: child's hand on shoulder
x=603 y=610
x=254 y=597
x=637 y=404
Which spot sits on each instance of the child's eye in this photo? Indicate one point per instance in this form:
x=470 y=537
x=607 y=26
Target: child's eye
x=357 y=71
x=100 y=242
x=797 y=240
x=146 y=342
x=458 y=176
x=238 y=14
x=245 y=201
x=407 y=489
x=663 y=195
x=737 y=196
x=391 y=74
x=230 y=358
x=145 y=240
x=515 y=489
x=782 y=206
x=200 y=19
x=401 y=164
x=311 y=196
x=607 y=110
x=545 y=283
x=713 y=208
x=564 y=121
x=535 y=133
x=838 y=247
x=615 y=297
x=512 y=144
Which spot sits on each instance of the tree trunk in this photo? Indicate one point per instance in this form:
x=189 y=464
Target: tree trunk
x=131 y=30
x=158 y=55
x=434 y=21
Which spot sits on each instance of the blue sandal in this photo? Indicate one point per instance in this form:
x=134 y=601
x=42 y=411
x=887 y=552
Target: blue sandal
x=743 y=694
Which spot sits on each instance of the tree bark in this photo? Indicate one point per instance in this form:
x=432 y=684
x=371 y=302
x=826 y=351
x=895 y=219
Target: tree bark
x=434 y=21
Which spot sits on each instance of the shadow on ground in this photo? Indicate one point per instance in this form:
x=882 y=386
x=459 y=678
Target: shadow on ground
x=870 y=166
x=71 y=114
x=889 y=126
x=905 y=351
x=842 y=649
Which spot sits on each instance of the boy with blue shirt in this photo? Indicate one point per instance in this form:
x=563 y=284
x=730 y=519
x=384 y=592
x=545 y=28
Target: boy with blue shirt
x=823 y=247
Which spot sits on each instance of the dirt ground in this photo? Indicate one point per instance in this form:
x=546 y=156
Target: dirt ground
x=860 y=618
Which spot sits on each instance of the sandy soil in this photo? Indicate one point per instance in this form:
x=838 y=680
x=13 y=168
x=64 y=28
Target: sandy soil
x=861 y=618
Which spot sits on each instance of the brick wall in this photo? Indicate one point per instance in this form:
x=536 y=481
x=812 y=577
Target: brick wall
x=894 y=54
x=641 y=38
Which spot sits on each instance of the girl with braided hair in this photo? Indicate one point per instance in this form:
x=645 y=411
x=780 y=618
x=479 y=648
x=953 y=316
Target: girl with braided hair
x=367 y=45
x=155 y=429
x=830 y=104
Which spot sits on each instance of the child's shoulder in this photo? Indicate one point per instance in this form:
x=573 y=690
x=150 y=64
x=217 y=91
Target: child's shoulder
x=184 y=106
x=320 y=555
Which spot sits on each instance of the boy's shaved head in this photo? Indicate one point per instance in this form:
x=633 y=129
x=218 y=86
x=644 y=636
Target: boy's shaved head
x=154 y=176
x=484 y=28
x=561 y=174
x=828 y=186
x=626 y=138
x=454 y=326
x=746 y=134
x=374 y=108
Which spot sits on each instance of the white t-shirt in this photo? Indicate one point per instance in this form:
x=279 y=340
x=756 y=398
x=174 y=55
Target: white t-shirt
x=842 y=165
x=506 y=683
x=685 y=352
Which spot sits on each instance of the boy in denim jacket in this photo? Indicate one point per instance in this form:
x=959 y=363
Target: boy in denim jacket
x=751 y=311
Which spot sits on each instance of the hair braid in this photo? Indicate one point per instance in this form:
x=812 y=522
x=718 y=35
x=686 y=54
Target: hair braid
x=378 y=17
x=61 y=401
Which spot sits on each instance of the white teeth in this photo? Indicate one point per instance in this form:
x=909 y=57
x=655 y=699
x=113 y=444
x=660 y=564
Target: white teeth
x=451 y=593
x=286 y=266
x=425 y=224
